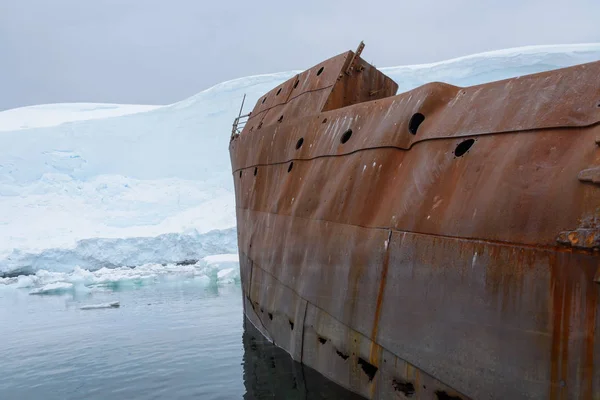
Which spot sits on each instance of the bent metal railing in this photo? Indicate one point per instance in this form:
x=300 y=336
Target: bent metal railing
x=240 y=121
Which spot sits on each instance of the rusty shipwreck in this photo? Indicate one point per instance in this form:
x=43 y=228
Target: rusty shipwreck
x=440 y=243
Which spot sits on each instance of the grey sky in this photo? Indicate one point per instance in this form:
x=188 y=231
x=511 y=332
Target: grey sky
x=161 y=51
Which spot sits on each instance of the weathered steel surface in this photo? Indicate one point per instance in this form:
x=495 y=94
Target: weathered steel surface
x=517 y=188
x=269 y=372
x=465 y=252
x=563 y=99
x=455 y=308
x=366 y=83
x=339 y=352
x=309 y=93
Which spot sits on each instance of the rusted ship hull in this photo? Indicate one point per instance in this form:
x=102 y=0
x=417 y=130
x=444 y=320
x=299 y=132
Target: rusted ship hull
x=440 y=243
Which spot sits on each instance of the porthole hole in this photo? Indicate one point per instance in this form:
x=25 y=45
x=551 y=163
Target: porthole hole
x=280 y=119
x=368 y=368
x=415 y=121
x=291 y=166
x=320 y=71
x=346 y=136
x=271 y=316
x=255 y=171
x=463 y=147
x=324 y=120
x=240 y=174
x=296 y=84
x=406 y=388
x=263 y=102
x=291 y=325
x=299 y=143
x=259 y=126
x=279 y=91
x=322 y=340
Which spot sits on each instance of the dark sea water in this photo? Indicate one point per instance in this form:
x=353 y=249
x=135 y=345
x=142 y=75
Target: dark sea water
x=172 y=340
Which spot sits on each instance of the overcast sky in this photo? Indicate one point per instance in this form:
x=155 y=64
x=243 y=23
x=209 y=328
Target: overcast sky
x=162 y=51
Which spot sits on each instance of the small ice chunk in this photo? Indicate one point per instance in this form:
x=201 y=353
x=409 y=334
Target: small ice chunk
x=7 y=281
x=224 y=273
x=227 y=275
x=24 y=281
x=114 y=304
x=53 y=288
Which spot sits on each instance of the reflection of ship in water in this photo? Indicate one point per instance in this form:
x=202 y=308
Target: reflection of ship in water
x=270 y=373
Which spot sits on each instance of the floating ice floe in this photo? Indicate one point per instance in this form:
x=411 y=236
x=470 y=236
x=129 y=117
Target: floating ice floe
x=220 y=269
x=114 y=304
x=53 y=288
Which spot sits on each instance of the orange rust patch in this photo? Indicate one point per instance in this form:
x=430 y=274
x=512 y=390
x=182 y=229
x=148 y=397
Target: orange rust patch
x=383 y=280
x=573 y=238
x=561 y=305
x=588 y=358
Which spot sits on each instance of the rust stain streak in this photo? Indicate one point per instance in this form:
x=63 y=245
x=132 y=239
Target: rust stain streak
x=375 y=355
x=251 y=270
x=375 y=351
x=591 y=309
x=557 y=299
x=382 y=282
x=564 y=337
x=561 y=315
x=355 y=273
x=303 y=326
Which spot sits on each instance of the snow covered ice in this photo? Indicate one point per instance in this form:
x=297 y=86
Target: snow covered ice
x=55 y=114
x=88 y=191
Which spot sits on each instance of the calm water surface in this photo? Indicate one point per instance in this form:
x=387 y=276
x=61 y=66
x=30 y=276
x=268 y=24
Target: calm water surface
x=173 y=340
